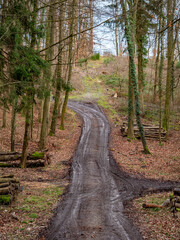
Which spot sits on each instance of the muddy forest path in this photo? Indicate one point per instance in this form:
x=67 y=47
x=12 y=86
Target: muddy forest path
x=93 y=207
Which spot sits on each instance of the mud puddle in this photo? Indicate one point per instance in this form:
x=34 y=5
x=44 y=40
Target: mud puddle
x=93 y=208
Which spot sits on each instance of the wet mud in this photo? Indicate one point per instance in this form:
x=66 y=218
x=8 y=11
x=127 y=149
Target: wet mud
x=93 y=207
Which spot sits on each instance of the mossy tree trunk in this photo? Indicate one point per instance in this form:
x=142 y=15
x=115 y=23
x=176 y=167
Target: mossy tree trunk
x=49 y=56
x=170 y=55
x=130 y=131
x=128 y=31
x=30 y=95
x=160 y=82
x=70 y=57
x=156 y=69
x=141 y=40
x=58 y=74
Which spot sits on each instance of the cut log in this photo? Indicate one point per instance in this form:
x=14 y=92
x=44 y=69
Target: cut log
x=12 y=180
x=7 y=176
x=177 y=205
x=30 y=163
x=36 y=163
x=177 y=191
x=2 y=185
x=4 y=158
x=9 y=153
x=5 y=190
x=151 y=205
x=149 y=131
x=30 y=156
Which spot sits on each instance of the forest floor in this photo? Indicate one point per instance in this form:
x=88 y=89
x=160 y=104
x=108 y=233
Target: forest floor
x=44 y=187
x=164 y=162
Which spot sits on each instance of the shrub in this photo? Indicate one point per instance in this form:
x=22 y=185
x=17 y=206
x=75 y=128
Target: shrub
x=178 y=64
x=95 y=56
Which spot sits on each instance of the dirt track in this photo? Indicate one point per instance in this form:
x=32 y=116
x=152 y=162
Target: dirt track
x=94 y=205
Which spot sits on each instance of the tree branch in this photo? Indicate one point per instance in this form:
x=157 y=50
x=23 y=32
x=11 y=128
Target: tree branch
x=74 y=35
x=167 y=26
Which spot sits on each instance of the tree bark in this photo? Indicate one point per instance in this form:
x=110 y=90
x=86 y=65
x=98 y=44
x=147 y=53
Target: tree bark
x=49 y=56
x=59 y=74
x=170 y=55
x=26 y=136
x=156 y=68
x=72 y=14
x=134 y=79
x=4 y=117
x=13 y=124
x=160 y=82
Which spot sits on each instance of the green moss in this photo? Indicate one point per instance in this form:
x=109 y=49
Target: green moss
x=5 y=165
x=37 y=155
x=5 y=199
x=95 y=56
x=33 y=215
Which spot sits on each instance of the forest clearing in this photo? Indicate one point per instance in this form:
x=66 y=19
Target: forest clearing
x=89 y=130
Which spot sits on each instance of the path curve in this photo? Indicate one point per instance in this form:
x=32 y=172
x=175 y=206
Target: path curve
x=93 y=207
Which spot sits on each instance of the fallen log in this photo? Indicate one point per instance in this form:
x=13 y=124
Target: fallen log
x=177 y=205
x=176 y=191
x=5 y=190
x=149 y=131
x=7 y=176
x=30 y=156
x=4 y=158
x=151 y=205
x=11 y=180
x=9 y=153
x=30 y=163
x=9 y=188
x=2 y=185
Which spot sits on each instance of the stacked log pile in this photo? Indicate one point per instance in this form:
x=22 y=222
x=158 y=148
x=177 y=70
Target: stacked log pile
x=36 y=159
x=9 y=188
x=149 y=130
x=173 y=202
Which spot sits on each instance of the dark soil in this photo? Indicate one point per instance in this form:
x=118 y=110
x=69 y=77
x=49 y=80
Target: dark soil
x=93 y=207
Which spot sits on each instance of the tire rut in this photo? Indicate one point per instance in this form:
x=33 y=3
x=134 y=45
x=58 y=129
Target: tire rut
x=94 y=205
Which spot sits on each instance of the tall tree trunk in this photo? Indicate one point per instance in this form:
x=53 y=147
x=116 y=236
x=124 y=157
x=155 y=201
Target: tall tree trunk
x=160 y=81
x=30 y=96
x=156 y=68
x=13 y=123
x=26 y=132
x=170 y=55
x=72 y=14
x=58 y=76
x=133 y=75
x=91 y=26
x=130 y=132
x=141 y=29
x=4 y=117
x=49 y=55
x=116 y=27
